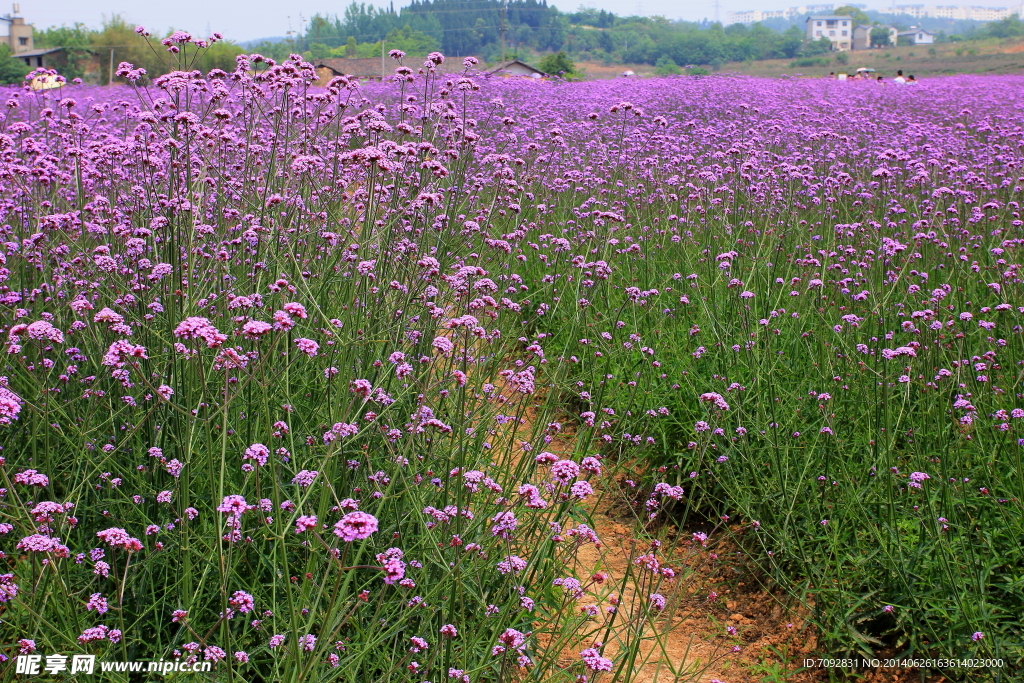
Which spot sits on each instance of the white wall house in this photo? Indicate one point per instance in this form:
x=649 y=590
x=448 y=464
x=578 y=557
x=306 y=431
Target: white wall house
x=836 y=27
x=917 y=11
x=916 y=36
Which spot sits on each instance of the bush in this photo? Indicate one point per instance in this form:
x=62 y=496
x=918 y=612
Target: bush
x=810 y=61
x=558 y=64
x=666 y=67
x=12 y=70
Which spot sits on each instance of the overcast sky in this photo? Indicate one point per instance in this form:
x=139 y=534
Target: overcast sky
x=252 y=19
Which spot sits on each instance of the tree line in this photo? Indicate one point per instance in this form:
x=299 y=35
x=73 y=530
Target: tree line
x=489 y=29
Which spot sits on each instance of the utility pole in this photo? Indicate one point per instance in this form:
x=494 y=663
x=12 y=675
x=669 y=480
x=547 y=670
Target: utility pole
x=503 y=5
x=382 y=68
x=110 y=79
x=718 y=6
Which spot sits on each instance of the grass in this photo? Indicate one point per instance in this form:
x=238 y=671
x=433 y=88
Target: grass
x=283 y=365
x=974 y=57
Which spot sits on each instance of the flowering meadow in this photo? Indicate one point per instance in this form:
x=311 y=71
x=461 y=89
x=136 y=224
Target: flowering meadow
x=318 y=383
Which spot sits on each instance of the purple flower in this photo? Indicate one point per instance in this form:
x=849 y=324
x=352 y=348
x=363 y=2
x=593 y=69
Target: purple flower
x=307 y=346
x=305 y=478
x=242 y=601
x=97 y=602
x=593 y=660
x=355 y=526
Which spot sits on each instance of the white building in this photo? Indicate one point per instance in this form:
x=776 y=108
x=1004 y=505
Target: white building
x=19 y=34
x=917 y=11
x=837 y=28
x=916 y=36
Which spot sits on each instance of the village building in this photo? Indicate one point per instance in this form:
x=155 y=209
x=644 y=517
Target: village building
x=515 y=67
x=915 y=36
x=20 y=41
x=862 y=36
x=45 y=58
x=836 y=27
x=19 y=34
x=374 y=68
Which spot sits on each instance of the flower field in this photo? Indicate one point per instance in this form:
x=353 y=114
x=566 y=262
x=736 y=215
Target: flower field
x=318 y=384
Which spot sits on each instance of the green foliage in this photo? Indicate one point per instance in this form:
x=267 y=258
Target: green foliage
x=843 y=58
x=117 y=35
x=817 y=47
x=77 y=42
x=880 y=37
x=1011 y=27
x=666 y=67
x=858 y=15
x=12 y=71
x=809 y=61
x=558 y=64
x=474 y=28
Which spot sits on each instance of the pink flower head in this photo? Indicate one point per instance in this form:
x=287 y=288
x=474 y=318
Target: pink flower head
x=97 y=602
x=254 y=329
x=117 y=537
x=307 y=346
x=38 y=543
x=305 y=478
x=296 y=309
x=242 y=601
x=31 y=478
x=593 y=660
x=257 y=452
x=712 y=397
x=355 y=526
x=44 y=331
x=195 y=327
x=233 y=505
x=10 y=404
x=565 y=471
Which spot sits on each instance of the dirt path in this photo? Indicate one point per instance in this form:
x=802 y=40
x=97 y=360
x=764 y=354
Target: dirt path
x=720 y=623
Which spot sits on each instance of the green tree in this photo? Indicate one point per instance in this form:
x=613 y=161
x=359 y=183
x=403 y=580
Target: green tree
x=666 y=67
x=880 y=37
x=76 y=41
x=558 y=63
x=817 y=47
x=221 y=55
x=116 y=41
x=411 y=41
x=858 y=16
x=318 y=51
x=1011 y=27
x=12 y=71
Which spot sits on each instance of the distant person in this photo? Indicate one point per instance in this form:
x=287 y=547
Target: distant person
x=831 y=74
x=880 y=81
x=911 y=80
x=899 y=78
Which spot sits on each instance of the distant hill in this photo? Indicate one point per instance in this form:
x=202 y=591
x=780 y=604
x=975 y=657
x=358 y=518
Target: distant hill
x=249 y=44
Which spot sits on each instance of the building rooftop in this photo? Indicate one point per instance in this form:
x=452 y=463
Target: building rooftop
x=38 y=52
x=504 y=66
x=820 y=17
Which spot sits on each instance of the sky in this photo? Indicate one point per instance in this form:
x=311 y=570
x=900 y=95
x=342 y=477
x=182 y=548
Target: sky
x=252 y=19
